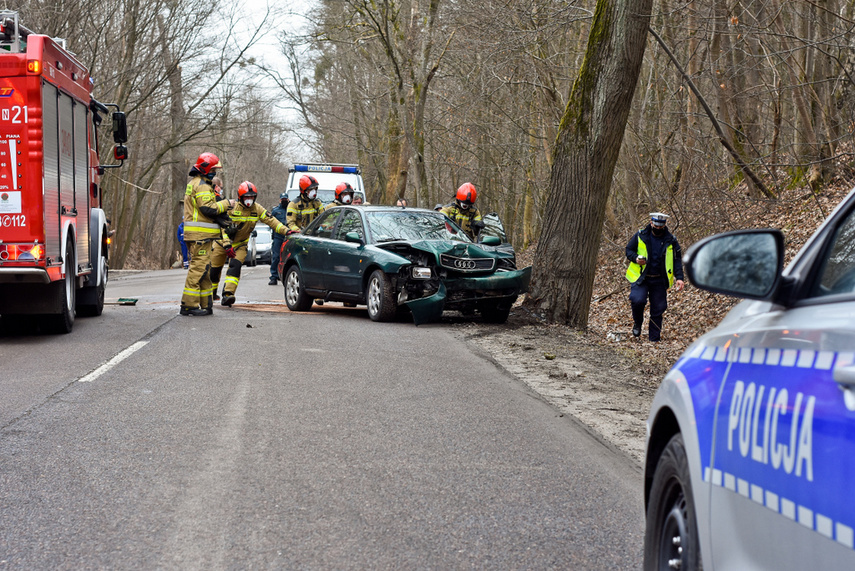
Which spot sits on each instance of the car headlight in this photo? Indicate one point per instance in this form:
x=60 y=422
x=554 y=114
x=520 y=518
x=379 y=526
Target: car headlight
x=421 y=273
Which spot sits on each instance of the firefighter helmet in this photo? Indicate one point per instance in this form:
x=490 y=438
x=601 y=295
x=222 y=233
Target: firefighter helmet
x=207 y=162
x=247 y=193
x=308 y=186
x=466 y=195
x=342 y=189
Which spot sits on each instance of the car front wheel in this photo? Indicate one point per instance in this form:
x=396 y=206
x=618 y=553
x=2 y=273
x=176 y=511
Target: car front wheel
x=295 y=294
x=380 y=297
x=671 y=535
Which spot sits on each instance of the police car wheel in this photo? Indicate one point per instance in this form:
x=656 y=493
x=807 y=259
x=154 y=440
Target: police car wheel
x=671 y=535
x=295 y=296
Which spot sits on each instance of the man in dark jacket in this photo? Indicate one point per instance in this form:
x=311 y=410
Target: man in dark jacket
x=279 y=213
x=655 y=264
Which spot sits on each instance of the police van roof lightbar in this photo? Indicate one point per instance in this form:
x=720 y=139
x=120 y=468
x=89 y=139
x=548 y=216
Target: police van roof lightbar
x=308 y=167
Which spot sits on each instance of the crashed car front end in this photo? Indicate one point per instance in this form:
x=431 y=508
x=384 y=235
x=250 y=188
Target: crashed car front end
x=455 y=276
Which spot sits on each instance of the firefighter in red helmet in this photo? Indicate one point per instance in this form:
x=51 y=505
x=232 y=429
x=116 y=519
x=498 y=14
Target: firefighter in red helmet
x=463 y=210
x=244 y=215
x=343 y=194
x=201 y=228
x=307 y=207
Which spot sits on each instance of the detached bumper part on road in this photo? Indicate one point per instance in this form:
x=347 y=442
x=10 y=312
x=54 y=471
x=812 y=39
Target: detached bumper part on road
x=496 y=289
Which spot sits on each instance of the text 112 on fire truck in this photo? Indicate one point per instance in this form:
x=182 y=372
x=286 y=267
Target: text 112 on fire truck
x=53 y=232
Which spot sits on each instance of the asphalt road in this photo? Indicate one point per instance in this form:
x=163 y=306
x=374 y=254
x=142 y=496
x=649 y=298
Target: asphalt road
x=257 y=438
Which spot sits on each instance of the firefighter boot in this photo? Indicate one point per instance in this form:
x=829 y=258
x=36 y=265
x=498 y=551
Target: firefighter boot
x=195 y=311
x=210 y=309
x=228 y=298
x=216 y=297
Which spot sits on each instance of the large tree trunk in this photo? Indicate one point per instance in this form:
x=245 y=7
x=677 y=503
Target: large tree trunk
x=586 y=150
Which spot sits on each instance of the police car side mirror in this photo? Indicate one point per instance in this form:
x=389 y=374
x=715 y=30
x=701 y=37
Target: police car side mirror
x=254 y=233
x=744 y=263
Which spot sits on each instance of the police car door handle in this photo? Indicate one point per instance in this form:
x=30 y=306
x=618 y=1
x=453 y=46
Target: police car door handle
x=845 y=376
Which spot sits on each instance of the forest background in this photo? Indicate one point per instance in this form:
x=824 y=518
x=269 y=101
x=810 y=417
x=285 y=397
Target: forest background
x=427 y=94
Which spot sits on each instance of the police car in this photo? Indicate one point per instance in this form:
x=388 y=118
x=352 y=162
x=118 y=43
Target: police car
x=751 y=435
x=328 y=175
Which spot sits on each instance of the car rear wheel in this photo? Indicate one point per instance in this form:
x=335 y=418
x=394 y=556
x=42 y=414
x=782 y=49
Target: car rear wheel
x=380 y=298
x=295 y=294
x=671 y=535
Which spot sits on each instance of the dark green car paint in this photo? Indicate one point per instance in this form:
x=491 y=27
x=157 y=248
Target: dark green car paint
x=338 y=269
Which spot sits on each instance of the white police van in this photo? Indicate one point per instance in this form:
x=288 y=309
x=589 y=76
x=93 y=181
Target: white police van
x=751 y=436
x=328 y=175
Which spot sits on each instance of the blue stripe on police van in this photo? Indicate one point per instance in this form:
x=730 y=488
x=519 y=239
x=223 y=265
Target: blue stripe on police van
x=803 y=359
x=805 y=516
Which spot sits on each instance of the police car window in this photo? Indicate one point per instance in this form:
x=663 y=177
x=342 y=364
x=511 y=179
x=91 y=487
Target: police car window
x=325 y=227
x=350 y=222
x=838 y=274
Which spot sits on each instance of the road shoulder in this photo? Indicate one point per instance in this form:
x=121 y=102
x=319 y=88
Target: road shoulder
x=595 y=384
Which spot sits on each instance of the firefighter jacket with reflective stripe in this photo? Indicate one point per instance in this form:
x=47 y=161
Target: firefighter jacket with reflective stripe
x=246 y=217
x=301 y=212
x=463 y=218
x=200 y=209
x=637 y=247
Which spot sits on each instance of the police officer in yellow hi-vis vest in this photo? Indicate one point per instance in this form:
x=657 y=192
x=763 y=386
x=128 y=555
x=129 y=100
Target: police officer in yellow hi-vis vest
x=201 y=211
x=245 y=214
x=655 y=264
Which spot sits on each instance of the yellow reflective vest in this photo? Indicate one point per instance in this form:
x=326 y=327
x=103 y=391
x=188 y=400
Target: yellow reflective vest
x=634 y=271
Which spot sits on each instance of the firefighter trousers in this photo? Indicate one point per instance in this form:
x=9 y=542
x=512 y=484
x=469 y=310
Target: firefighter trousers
x=655 y=288
x=233 y=273
x=197 y=286
x=218 y=259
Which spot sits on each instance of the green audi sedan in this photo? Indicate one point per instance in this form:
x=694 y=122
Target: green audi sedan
x=392 y=259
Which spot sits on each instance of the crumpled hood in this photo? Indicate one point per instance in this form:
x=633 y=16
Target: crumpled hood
x=458 y=249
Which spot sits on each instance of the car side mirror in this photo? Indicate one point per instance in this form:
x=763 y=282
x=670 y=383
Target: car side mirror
x=120 y=127
x=254 y=233
x=744 y=263
x=491 y=240
x=353 y=237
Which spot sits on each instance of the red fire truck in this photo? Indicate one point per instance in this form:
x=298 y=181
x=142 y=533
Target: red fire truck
x=54 y=235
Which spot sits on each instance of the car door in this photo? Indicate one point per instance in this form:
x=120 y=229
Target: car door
x=315 y=242
x=347 y=260
x=784 y=439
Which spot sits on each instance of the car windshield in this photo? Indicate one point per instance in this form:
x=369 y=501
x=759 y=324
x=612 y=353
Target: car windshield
x=263 y=234
x=388 y=226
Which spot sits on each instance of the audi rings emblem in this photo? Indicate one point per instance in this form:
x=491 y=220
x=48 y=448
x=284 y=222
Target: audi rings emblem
x=464 y=264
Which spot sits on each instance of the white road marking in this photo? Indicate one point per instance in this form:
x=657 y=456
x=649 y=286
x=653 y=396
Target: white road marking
x=113 y=362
